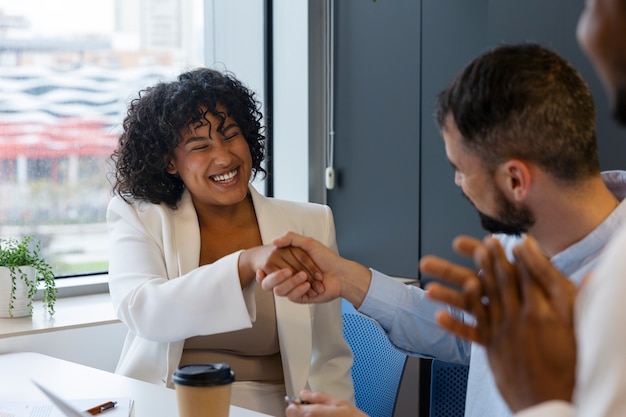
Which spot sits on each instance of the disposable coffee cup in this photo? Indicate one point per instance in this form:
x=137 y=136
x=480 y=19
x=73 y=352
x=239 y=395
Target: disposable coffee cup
x=203 y=390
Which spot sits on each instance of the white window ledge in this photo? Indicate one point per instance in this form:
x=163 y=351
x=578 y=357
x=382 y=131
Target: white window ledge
x=80 y=285
x=70 y=313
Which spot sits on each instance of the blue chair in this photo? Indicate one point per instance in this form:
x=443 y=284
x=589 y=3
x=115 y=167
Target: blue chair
x=378 y=366
x=447 y=389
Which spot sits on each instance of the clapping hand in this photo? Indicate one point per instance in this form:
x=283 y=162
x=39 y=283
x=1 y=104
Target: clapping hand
x=523 y=316
x=464 y=294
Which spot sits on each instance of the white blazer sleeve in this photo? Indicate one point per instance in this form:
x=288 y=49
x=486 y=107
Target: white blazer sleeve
x=153 y=294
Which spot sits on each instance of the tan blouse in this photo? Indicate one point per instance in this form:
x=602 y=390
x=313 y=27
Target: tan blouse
x=254 y=354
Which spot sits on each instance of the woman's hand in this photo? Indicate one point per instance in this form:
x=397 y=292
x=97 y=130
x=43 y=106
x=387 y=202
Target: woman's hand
x=287 y=261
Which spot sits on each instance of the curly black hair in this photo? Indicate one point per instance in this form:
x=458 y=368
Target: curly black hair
x=156 y=120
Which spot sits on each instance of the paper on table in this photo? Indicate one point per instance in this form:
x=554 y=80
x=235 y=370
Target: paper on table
x=48 y=409
x=58 y=407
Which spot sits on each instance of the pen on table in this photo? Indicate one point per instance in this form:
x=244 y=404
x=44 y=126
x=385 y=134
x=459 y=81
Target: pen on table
x=101 y=407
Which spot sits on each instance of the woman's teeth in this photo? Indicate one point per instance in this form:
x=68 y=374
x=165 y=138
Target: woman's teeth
x=225 y=177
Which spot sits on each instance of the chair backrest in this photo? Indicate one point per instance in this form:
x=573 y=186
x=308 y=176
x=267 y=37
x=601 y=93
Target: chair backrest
x=447 y=389
x=378 y=366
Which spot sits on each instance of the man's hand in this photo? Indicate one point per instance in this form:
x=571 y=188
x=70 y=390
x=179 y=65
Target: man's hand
x=466 y=292
x=524 y=317
x=322 y=405
x=339 y=277
x=531 y=343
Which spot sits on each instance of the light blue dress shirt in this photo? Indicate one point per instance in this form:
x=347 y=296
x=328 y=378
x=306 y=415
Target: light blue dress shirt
x=408 y=317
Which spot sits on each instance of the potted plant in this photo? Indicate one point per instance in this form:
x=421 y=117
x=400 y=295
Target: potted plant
x=21 y=269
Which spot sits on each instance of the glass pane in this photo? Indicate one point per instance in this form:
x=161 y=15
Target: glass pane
x=68 y=69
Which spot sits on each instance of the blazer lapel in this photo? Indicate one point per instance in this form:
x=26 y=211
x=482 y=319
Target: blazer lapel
x=186 y=235
x=293 y=320
x=294 y=333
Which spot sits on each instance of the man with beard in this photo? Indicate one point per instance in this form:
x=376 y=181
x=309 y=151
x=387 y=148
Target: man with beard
x=518 y=126
x=554 y=351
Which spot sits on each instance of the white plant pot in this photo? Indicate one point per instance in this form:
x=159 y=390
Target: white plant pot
x=22 y=303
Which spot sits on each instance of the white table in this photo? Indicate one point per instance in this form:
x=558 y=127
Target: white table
x=71 y=380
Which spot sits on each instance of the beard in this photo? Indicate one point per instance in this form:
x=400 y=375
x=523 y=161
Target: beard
x=512 y=219
x=619 y=107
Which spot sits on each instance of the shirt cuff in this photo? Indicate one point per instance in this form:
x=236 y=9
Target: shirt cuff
x=555 y=408
x=384 y=298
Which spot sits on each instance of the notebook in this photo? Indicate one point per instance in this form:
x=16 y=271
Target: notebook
x=58 y=407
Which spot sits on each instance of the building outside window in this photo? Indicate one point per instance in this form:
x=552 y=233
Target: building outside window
x=68 y=69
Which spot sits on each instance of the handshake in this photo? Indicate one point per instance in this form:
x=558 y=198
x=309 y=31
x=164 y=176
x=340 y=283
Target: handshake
x=306 y=271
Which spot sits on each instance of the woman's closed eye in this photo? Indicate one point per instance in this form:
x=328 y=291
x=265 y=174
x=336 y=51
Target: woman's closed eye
x=200 y=145
x=230 y=132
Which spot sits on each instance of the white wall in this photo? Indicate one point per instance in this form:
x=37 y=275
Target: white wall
x=95 y=346
x=291 y=100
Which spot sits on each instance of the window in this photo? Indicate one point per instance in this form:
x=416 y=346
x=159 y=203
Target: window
x=67 y=71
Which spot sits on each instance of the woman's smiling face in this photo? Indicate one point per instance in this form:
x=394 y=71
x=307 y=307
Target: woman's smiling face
x=213 y=160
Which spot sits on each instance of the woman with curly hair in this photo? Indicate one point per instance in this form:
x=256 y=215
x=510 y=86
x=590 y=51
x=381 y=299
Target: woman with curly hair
x=188 y=233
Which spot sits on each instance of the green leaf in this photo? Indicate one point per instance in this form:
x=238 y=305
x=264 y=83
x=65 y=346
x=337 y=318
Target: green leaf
x=26 y=252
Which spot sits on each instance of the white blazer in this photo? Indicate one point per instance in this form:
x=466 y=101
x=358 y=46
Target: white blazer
x=161 y=294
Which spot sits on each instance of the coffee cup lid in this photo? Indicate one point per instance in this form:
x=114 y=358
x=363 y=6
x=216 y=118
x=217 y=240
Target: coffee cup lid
x=204 y=375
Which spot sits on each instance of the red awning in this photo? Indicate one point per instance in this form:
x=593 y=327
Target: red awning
x=69 y=137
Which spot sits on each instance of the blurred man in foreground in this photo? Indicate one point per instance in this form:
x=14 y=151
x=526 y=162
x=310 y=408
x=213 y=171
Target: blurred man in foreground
x=527 y=314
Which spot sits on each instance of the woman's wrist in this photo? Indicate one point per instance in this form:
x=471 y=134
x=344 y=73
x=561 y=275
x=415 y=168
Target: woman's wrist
x=245 y=267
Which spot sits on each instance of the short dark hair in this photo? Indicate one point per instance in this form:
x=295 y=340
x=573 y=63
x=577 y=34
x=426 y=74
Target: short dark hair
x=159 y=115
x=524 y=101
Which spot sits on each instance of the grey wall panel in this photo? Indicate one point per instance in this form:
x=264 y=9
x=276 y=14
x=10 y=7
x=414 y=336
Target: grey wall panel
x=377 y=125
x=454 y=32
x=396 y=199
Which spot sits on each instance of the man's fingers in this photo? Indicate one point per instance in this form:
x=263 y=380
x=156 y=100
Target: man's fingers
x=305 y=263
x=490 y=289
x=299 y=294
x=292 y=239
x=558 y=288
x=283 y=279
x=444 y=294
x=283 y=240
x=457 y=327
x=540 y=267
x=465 y=245
x=537 y=263
x=506 y=278
x=445 y=270
x=534 y=299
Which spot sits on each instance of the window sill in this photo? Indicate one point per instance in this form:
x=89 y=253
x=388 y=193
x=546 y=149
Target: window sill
x=80 y=285
x=70 y=313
